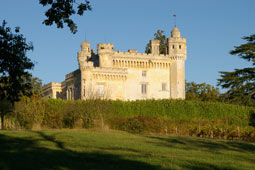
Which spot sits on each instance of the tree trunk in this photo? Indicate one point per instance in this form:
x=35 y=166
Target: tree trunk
x=2 y=120
x=102 y=121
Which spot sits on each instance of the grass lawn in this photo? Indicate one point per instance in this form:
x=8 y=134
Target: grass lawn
x=110 y=150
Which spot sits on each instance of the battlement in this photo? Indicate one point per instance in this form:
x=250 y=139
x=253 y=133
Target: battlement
x=52 y=85
x=132 y=51
x=73 y=74
x=86 y=64
x=131 y=54
x=105 y=48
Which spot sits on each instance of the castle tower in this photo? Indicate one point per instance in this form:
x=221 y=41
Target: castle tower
x=85 y=53
x=154 y=47
x=177 y=51
x=176 y=44
x=84 y=65
x=105 y=52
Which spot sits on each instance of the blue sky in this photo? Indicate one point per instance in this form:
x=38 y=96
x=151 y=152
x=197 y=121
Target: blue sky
x=212 y=29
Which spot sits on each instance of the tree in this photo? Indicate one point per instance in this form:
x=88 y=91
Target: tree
x=241 y=82
x=159 y=35
x=201 y=92
x=36 y=87
x=15 y=80
x=60 y=12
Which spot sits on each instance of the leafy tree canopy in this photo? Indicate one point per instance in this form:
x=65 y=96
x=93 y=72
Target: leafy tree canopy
x=241 y=82
x=201 y=92
x=60 y=12
x=15 y=80
x=159 y=35
x=14 y=64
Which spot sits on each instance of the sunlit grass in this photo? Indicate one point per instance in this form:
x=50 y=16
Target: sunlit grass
x=90 y=149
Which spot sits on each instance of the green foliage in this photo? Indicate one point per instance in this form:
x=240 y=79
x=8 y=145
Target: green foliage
x=14 y=64
x=36 y=86
x=183 y=117
x=201 y=92
x=29 y=112
x=60 y=12
x=53 y=113
x=240 y=83
x=159 y=35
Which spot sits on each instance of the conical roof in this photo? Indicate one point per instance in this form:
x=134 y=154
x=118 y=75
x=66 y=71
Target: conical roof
x=85 y=43
x=175 y=32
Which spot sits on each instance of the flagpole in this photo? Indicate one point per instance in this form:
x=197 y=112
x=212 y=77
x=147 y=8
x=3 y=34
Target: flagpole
x=174 y=19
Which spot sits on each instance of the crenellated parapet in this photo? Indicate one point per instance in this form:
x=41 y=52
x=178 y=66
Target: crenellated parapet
x=141 y=63
x=136 y=54
x=86 y=65
x=114 y=74
x=73 y=74
x=105 y=52
x=105 y=48
x=52 y=90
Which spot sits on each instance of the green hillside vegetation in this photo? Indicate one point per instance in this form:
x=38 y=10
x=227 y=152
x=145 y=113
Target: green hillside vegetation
x=108 y=150
x=180 y=117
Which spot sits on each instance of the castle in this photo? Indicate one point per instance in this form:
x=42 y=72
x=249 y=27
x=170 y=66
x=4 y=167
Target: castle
x=128 y=75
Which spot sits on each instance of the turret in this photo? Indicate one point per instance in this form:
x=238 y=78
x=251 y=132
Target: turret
x=176 y=45
x=84 y=54
x=177 y=51
x=154 y=47
x=105 y=52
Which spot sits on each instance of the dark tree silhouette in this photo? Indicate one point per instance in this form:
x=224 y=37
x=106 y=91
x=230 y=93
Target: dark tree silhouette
x=15 y=80
x=159 y=35
x=60 y=12
x=241 y=82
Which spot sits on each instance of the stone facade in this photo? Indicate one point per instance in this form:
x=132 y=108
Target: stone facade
x=128 y=75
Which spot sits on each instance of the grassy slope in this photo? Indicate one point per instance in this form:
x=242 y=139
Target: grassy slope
x=83 y=149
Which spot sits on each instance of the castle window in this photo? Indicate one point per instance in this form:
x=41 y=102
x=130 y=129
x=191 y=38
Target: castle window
x=144 y=73
x=100 y=90
x=180 y=46
x=102 y=47
x=173 y=46
x=163 y=86
x=144 y=88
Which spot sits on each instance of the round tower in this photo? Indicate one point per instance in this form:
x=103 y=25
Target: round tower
x=85 y=46
x=85 y=53
x=176 y=45
x=105 y=52
x=177 y=51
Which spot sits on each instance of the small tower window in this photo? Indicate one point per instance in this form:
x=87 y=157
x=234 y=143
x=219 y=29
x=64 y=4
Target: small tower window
x=173 y=46
x=180 y=47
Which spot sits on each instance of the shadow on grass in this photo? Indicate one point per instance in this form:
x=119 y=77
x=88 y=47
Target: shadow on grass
x=20 y=153
x=209 y=144
x=196 y=165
